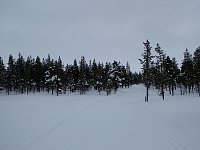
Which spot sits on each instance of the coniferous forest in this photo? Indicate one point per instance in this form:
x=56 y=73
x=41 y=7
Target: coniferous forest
x=163 y=73
x=35 y=75
x=25 y=75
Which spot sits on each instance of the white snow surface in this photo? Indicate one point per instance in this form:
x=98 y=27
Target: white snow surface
x=121 y=121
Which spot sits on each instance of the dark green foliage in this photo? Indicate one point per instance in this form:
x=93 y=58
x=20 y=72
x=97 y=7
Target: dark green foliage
x=159 y=71
x=34 y=75
x=10 y=75
x=20 y=74
x=146 y=61
x=187 y=70
x=165 y=75
x=171 y=72
x=38 y=74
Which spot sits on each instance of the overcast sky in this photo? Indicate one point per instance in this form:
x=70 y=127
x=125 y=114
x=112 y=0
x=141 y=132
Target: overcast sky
x=101 y=29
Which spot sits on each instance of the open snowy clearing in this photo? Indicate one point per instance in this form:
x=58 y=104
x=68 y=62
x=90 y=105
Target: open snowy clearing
x=121 y=121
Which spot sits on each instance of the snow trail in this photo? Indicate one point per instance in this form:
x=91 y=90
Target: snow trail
x=91 y=122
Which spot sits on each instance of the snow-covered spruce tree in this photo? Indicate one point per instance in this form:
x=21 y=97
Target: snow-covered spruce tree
x=187 y=70
x=48 y=80
x=54 y=74
x=49 y=74
x=123 y=77
x=74 y=76
x=59 y=76
x=114 y=77
x=82 y=82
x=107 y=80
x=196 y=59
x=160 y=74
x=146 y=62
x=115 y=74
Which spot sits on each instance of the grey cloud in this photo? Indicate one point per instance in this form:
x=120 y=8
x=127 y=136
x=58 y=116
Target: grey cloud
x=104 y=30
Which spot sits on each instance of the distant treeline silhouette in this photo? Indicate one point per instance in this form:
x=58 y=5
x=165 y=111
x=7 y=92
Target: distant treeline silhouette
x=36 y=75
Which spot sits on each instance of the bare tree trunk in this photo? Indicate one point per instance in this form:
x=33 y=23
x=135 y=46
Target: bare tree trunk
x=147 y=96
x=162 y=91
x=172 y=90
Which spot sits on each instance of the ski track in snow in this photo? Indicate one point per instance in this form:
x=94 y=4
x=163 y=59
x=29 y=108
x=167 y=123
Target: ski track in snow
x=122 y=121
x=58 y=128
x=175 y=142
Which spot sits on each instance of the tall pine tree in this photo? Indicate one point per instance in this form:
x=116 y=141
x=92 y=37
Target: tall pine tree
x=160 y=79
x=146 y=61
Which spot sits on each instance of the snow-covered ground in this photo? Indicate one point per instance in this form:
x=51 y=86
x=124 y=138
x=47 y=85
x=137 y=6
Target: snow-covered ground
x=121 y=121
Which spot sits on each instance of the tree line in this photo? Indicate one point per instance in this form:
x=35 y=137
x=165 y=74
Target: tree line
x=158 y=71
x=36 y=75
x=162 y=72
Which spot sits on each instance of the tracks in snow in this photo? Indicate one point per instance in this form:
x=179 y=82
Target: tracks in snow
x=71 y=126
x=158 y=125
x=69 y=131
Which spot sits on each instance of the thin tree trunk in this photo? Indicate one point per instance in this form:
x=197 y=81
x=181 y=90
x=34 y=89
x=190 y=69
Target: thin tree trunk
x=57 y=91
x=162 y=91
x=27 y=90
x=147 y=97
x=172 y=90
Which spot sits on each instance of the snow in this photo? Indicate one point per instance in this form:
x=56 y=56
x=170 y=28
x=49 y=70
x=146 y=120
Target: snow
x=121 y=121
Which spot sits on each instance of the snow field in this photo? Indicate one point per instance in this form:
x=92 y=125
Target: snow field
x=121 y=121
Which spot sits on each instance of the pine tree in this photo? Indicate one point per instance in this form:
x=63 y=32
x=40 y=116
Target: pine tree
x=100 y=77
x=10 y=74
x=171 y=73
x=69 y=78
x=107 y=79
x=20 y=73
x=160 y=74
x=95 y=75
x=34 y=75
x=75 y=77
x=59 y=75
x=146 y=61
x=176 y=73
x=38 y=74
x=49 y=74
x=115 y=75
x=82 y=82
x=28 y=76
x=187 y=70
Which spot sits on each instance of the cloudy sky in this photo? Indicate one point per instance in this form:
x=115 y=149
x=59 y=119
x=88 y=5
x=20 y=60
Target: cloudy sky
x=106 y=30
